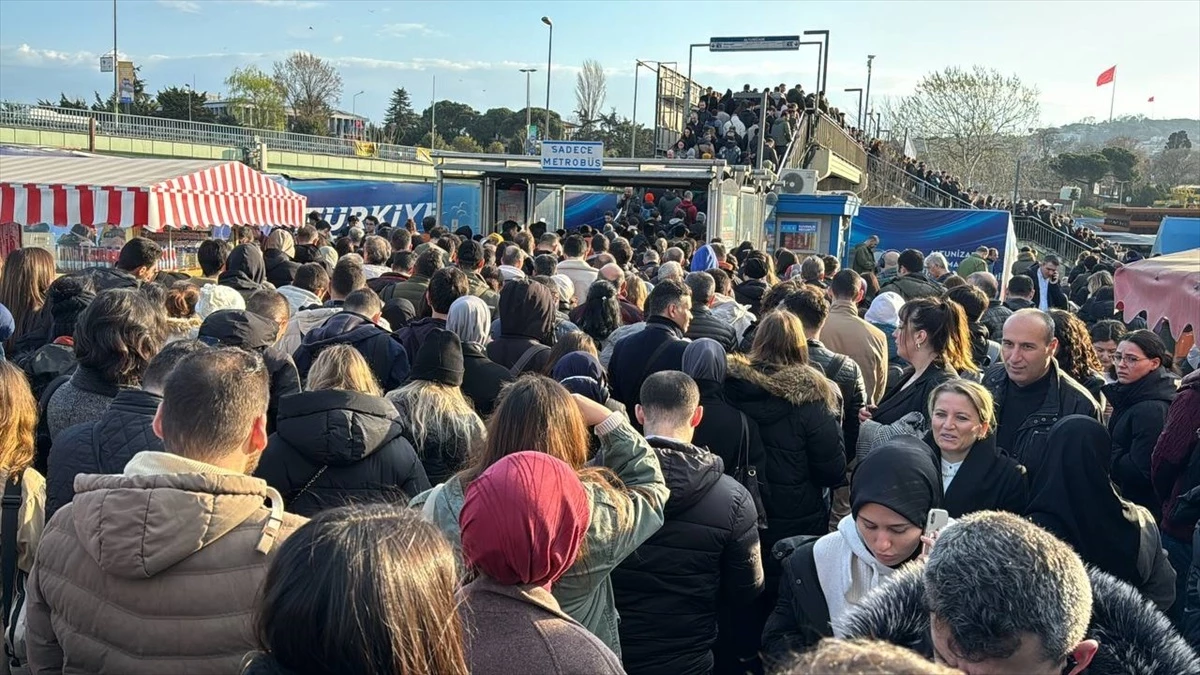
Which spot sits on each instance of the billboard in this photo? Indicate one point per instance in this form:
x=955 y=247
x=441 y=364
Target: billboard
x=671 y=107
x=337 y=199
x=125 y=76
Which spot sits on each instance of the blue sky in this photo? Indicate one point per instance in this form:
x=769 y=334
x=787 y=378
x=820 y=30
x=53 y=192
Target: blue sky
x=476 y=48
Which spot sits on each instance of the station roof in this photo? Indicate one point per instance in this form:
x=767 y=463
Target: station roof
x=617 y=172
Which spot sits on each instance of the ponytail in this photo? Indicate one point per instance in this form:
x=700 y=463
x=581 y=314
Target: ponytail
x=945 y=322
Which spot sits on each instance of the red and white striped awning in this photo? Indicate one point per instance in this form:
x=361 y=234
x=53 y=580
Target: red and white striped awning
x=149 y=193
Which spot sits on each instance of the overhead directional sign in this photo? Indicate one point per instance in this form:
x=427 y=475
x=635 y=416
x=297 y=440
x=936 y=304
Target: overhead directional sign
x=580 y=156
x=770 y=43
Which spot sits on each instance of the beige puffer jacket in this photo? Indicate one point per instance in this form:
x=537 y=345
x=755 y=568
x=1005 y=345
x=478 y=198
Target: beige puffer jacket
x=153 y=572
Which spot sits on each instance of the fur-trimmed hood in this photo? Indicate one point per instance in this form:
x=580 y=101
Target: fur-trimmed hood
x=1135 y=638
x=798 y=384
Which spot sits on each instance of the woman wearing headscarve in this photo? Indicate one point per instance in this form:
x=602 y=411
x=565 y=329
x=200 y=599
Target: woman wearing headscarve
x=724 y=430
x=245 y=271
x=277 y=256
x=470 y=319
x=705 y=259
x=1072 y=497
x=523 y=523
x=398 y=312
x=891 y=493
x=581 y=373
x=884 y=314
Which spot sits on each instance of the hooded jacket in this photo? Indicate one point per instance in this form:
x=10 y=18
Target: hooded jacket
x=280 y=269
x=381 y=350
x=298 y=299
x=705 y=556
x=103 y=446
x=1176 y=465
x=1139 y=412
x=355 y=443
x=798 y=416
x=527 y=317
x=913 y=286
x=238 y=328
x=245 y=271
x=302 y=322
x=134 y=557
x=1135 y=638
x=413 y=335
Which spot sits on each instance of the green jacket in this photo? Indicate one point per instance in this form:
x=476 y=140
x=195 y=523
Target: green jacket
x=480 y=289
x=585 y=591
x=412 y=290
x=972 y=264
x=864 y=259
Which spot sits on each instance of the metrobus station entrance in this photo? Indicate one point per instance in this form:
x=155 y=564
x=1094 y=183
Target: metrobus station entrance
x=516 y=187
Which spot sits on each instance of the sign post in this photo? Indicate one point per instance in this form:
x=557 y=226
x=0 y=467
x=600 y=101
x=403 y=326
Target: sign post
x=770 y=43
x=106 y=64
x=573 y=156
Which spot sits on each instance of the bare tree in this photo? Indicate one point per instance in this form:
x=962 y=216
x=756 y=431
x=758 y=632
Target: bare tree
x=968 y=118
x=591 y=87
x=312 y=87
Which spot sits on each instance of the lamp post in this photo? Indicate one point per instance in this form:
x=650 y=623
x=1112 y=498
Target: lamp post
x=528 y=111
x=858 y=119
x=549 y=55
x=867 y=98
x=637 y=68
x=820 y=50
x=824 y=79
x=687 y=89
x=354 y=102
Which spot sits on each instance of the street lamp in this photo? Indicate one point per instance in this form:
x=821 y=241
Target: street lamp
x=528 y=111
x=867 y=98
x=858 y=119
x=549 y=55
x=354 y=102
x=824 y=81
x=820 y=50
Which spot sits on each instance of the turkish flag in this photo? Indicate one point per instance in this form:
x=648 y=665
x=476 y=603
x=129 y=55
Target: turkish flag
x=1106 y=77
x=1150 y=100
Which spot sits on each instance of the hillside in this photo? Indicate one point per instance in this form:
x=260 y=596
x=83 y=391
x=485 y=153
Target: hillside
x=1150 y=135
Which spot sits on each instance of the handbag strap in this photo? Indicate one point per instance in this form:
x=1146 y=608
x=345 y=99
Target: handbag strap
x=744 y=450
x=525 y=358
x=11 y=505
x=654 y=355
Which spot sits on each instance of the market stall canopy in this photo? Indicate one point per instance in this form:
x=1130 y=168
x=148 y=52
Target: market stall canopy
x=149 y=193
x=1166 y=287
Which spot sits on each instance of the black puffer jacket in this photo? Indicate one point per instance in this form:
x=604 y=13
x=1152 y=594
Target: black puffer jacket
x=798 y=415
x=704 y=556
x=1135 y=638
x=1139 y=412
x=382 y=350
x=705 y=325
x=527 y=317
x=281 y=271
x=352 y=439
x=994 y=317
x=103 y=446
x=107 y=278
x=751 y=292
x=843 y=372
x=1064 y=397
x=238 y=328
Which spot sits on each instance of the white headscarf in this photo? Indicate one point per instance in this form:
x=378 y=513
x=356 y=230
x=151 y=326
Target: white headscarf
x=470 y=319
x=885 y=309
x=214 y=298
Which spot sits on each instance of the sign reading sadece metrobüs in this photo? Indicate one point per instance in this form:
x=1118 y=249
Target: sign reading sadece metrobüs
x=572 y=156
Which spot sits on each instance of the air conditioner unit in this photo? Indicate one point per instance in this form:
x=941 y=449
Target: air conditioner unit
x=798 y=182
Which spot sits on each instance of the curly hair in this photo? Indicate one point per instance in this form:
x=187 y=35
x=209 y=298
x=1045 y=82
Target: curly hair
x=1075 y=354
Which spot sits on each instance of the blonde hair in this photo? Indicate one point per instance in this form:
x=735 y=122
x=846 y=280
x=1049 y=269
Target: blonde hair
x=18 y=418
x=635 y=291
x=976 y=393
x=1099 y=280
x=342 y=367
x=439 y=414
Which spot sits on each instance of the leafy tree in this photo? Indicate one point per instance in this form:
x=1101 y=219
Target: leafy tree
x=616 y=133
x=64 y=103
x=591 y=88
x=1178 y=140
x=453 y=118
x=438 y=142
x=143 y=103
x=181 y=103
x=1088 y=169
x=1122 y=163
x=465 y=144
x=496 y=148
x=1146 y=195
x=401 y=123
x=311 y=87
x=497 y=124
x=255 y=99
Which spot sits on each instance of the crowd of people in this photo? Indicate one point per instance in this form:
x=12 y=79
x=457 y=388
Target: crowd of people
x=401 y=450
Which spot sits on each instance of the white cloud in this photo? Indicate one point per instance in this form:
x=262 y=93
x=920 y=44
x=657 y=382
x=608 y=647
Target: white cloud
x=337 y=39
x=32 y=56
x=186 y=6
x=405 y=29
x=289 y=4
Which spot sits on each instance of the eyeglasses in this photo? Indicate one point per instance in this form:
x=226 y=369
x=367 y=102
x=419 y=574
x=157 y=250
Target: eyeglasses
x=1118 y=357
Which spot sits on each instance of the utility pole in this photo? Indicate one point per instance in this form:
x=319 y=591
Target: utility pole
x=549 y=57
x=433 y=116
x=528 y=109
x=116 y=70
x=867 y=96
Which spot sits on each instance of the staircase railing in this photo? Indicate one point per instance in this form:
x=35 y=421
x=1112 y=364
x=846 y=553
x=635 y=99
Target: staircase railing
x=1046 y=237
x=891 y=180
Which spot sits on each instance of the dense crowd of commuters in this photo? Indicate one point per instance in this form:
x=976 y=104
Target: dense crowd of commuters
x=632 y=450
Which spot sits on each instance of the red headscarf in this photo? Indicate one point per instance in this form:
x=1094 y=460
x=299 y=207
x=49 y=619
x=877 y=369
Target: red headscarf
x=524 y=519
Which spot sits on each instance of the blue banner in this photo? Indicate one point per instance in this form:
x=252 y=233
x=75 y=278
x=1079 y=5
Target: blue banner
x=955 y=233
x=337 y=199
x=587 y=208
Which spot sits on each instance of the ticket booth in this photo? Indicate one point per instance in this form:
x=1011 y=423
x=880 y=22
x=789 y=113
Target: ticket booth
x=812 y=224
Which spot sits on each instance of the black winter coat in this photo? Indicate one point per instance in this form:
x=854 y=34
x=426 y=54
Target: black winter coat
x=382 y=351
x=994 y=317
x=720 y=430
x=412 y=336
x=704 y=556
x=986 y=481
x=705 y=325
x=238 y=328
x=800 y=617
x=103 y=446
x=1100 y=306
x=1058 y=297
x=1139 y=412
x=353 y=440
x=913 y=286
x=630 y=364
x=482 y=379
x=1064 y=397
x=798 y=414
x=843 y=372
x=281 y=271
x=898 y=402
x=751 y=292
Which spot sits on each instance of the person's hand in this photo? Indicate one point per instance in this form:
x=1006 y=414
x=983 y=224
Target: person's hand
x=927 y=543
x=593 y=413
x=866 y=412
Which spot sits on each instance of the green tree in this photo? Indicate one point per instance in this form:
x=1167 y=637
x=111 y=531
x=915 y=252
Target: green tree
x=1087 y=169
x=143 y=103
x=64 y=103
x=616 y=133
x=1178 y=140
x=312 y=87
x=255 y=99
x=1122 y=163
x=401 y=123
x=453 y=118
x=496 y=148
x=180 y=103
x=465 y=144
x=1146 y=195
x=438 y=142
x=497 y=124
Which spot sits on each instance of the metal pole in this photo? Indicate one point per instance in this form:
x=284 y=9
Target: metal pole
x=433 y=116
x=637 y=68
x=116 y=69
x=549 y=56
x=825 y=65
x=762 y=137
x=858 y=119
x=687 y=92
x=867 y=97
x=1113 y=99
x=1017 y=181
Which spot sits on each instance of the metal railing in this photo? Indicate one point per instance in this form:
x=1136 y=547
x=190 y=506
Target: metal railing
x=890 y=180
x=165 y=129
x=829 y=134
x=1047 y=237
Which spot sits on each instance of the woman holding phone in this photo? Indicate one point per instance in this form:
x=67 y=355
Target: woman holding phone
x=892 y=493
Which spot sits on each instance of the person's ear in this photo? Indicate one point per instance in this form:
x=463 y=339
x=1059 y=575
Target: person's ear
x=156 y=425
x=639 y=414
x=697 y=416
x=1083 y=654
x=377 y=316
x=258 y=436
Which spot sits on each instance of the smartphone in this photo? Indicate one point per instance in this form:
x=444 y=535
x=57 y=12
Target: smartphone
x=937 y=519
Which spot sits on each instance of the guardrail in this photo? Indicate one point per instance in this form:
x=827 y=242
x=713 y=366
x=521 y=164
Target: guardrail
x=889 y=179
x=165 y=129
x=1034 y=229
x=829 y=134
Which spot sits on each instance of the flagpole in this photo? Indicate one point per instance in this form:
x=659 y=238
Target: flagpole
x=1113 y=99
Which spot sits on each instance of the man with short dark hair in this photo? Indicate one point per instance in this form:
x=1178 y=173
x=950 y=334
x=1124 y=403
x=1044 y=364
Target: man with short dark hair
x=211 y=255
x=413 y=290
x=864 y=255
x=181 y=535
x=270 y=304
x=447 y=285
x=1018 y=294
x=976 y=262
x=1031 y=392
x=306 y=245
x=1047 y=291
x=703 y=560
x=996 y=313
x=400 y=239
x=357 y=326
x=347 y=277
x=308 y=290
x=911 y=282
x=704 y=324
x=546 y=265
x=136 y=264
x=470 y=261
x=547 y=243
x=659 y=346
x=844 y=332
x=400 y=264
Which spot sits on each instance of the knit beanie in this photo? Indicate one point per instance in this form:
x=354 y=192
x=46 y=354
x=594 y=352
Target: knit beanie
x=214 y=298
x=754 y=268
x=440 y=359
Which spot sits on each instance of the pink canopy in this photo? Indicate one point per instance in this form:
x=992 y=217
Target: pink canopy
x=1166 y=287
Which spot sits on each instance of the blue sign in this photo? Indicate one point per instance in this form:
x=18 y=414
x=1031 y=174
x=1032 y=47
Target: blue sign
x=573 y=156
x=770 y=43
x=955 y=233
x=337 y=199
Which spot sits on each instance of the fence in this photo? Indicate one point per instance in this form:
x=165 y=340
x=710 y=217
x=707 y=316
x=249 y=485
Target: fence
x=165 y=129
x=1033 y=229
x=890 y=180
